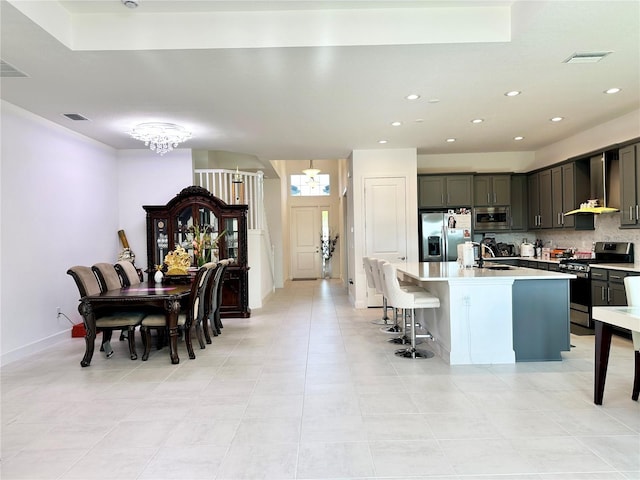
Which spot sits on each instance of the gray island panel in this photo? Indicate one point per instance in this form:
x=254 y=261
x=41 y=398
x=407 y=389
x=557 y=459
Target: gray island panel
x=540 y=319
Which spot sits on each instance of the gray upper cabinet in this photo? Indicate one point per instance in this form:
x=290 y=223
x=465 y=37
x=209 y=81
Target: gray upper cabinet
x=491 y=190
x=540 y=204
x=437 y=191
x=519 y=202
x=563 y=195
x=557 y=190
x=630 y=185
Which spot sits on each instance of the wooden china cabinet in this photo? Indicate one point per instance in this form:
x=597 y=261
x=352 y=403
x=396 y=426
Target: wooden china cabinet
x=172 y=224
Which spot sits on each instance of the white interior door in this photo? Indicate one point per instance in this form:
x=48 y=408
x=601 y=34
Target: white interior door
x=306 y=260
x=385 y=223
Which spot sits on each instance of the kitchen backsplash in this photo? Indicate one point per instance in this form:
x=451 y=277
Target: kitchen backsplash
x=607 y=229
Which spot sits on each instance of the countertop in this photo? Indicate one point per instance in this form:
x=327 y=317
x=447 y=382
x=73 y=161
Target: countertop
x=439 y=271
x=628 y=267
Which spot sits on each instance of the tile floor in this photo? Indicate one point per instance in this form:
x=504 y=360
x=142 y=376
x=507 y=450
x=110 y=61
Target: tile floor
x=308 y=388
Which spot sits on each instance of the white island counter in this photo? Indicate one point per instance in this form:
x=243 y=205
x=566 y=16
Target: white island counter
x=489 y=316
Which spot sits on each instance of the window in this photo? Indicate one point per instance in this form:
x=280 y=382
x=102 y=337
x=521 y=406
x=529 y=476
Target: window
x=303 y=186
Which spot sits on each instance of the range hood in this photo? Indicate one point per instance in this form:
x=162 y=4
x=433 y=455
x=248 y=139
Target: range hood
x=605 y=185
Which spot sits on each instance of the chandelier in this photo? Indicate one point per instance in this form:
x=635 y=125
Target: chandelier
x=311 y=172
x=160 y=137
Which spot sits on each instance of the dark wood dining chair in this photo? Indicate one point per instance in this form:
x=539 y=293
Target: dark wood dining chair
x=106 y=320
x=128 y=273
x=187 y=318
x=214 y=301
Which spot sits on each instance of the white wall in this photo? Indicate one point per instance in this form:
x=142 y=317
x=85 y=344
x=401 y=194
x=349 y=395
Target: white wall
x=146 y=178
x=401 y=162
x=477 y=162
x=273 y=207
x=622 y=129
x=59 y=209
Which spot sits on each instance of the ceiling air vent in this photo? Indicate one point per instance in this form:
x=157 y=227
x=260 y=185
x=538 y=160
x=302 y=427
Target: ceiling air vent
x=8 y=71
x=75 y=116
x=588 y=57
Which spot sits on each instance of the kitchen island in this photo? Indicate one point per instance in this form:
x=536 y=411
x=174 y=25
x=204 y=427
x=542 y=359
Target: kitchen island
x=494 y=315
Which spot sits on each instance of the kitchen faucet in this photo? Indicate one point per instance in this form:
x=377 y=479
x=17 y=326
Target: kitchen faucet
x=482 y=247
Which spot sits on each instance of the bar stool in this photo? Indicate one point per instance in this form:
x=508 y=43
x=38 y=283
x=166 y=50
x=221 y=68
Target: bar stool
x=395 y=328
x=371 y=270
x=632 y=289
x=408 y=301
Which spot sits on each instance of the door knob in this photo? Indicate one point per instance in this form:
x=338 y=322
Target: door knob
x=402 y=258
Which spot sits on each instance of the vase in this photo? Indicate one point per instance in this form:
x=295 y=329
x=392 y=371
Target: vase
x=158 y=276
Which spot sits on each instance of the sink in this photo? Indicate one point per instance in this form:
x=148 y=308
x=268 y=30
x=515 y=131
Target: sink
x=498 y=267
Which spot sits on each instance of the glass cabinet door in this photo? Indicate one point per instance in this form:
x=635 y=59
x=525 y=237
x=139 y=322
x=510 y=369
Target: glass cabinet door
x=232 y=237
x=183 y=228
x=161 y=235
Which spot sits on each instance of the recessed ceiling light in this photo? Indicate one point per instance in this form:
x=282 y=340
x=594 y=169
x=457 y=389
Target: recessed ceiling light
x=419 y=120
x=451 y=140
x=396 y=124
x=413 y=96
x=434 y=100
x=587 y=57
x=382 y=142
x=557 y=119
x=612 y=90
x=518 y=138
x=513 y=93
x=477 y=120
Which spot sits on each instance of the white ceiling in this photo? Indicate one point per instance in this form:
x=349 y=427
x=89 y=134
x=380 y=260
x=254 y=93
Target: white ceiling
x=300 y=80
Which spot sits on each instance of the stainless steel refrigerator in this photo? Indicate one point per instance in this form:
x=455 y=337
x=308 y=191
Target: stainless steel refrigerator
x=441 y=233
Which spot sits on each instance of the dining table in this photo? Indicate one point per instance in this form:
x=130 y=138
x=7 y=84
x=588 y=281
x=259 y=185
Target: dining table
x=605 y=319
x=149 y=297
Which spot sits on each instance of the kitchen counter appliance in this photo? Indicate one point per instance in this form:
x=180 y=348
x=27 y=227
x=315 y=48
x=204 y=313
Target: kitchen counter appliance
x=580 y=287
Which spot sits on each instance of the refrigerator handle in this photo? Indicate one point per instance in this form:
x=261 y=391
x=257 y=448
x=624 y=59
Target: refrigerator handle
x=443 y=243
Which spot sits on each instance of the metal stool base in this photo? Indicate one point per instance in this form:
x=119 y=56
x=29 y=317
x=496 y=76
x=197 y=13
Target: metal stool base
x=414 y=353
x=382 y=321
x=393 y=329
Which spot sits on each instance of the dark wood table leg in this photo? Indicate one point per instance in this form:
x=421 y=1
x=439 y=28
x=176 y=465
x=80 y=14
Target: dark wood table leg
x=173 y=309
x=90 y=335
x=603 y=346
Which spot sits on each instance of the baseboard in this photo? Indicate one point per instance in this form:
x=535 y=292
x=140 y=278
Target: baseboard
x=33 y=348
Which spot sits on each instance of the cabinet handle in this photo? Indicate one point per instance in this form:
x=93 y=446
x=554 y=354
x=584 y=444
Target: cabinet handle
x=630 y=212
x=608 y=295
x=618 y=277
x=602 y=293
x=495 y=197
x=488 y=198
x=562 y=218
x=637 y=212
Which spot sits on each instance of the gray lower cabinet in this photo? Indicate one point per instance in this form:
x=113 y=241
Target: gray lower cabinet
x=630 y=185
x=607 y=287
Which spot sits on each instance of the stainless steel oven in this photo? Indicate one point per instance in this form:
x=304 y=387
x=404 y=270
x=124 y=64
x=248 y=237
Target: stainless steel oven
x=489 y=219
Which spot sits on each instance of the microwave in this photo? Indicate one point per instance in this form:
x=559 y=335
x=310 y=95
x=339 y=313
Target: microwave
x=488 y=219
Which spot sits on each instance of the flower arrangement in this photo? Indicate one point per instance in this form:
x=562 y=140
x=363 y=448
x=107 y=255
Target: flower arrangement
x=328 y=245
x=202 y=243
